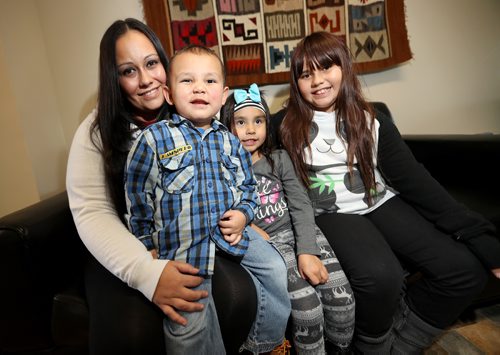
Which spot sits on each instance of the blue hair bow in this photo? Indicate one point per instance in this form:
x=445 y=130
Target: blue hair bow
x=253 y=94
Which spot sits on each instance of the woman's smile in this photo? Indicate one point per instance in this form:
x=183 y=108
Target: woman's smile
x=150 y=94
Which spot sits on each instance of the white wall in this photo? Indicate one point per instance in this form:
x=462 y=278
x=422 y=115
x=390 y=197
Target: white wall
x=50 y=50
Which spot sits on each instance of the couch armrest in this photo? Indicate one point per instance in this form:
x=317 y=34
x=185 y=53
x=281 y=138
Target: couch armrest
x=40 y=254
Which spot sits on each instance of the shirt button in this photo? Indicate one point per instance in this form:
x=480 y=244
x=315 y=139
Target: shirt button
x=212 y=209
x=209 y=184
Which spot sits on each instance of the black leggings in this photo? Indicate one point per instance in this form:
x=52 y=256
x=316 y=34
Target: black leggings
x=123 y=321
x=372 y=247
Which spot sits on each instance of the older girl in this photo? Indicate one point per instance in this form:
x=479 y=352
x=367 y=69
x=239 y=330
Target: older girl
x=379 y=207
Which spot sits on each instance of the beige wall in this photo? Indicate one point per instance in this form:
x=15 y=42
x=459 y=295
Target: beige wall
x=452 y=84
x=72 y=32
x=28 y=71
x=17 y=180
x=49 y=84
x=49 y=80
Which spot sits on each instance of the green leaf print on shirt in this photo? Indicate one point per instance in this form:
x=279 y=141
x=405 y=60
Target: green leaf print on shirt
x=322 y=183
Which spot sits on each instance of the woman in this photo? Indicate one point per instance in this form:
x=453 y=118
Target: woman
x=132 y=72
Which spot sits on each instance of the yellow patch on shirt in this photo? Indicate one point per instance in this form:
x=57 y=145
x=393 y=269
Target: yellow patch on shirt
x=176 y=151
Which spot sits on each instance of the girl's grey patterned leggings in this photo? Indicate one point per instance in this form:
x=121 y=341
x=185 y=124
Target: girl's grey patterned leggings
x=322 y=311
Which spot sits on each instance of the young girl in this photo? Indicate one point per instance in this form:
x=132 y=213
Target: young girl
x=379 y=207
x=322 y=301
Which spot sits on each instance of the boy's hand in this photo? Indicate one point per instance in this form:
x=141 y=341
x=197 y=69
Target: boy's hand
x=231 y=226
x=312 y=269
x=496 y=272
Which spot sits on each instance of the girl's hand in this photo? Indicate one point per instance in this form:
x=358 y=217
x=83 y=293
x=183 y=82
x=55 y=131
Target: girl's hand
x=496 y=272
x=174 y=290
x=259 y=230
x=312 y=269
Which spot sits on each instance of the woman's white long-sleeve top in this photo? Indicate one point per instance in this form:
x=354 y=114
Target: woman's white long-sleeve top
x=97 y=222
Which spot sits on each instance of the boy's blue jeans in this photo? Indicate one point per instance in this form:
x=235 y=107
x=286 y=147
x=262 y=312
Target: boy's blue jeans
x=268 y=271
x=202 y=334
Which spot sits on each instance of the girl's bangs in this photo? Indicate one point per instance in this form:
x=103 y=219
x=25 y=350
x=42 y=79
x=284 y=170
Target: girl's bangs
x=316 y=59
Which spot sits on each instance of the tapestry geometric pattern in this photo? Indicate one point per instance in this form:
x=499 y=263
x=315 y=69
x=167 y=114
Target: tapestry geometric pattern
x=257 y=37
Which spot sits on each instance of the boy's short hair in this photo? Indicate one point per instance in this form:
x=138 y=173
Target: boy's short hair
x=197 y=49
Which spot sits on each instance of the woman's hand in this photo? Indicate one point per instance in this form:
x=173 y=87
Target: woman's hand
x=496 y=272
x=312 y=269
x=174 y=291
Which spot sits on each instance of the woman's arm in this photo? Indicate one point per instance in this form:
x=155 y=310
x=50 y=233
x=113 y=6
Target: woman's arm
x=98 y=225
x=107 y=238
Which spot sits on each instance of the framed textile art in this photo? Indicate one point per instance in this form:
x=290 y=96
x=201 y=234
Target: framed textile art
x=255 y=38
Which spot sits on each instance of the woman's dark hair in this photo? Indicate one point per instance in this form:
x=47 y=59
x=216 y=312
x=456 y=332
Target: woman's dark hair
x=227 y=115
x=114 y=112
x=321 y=50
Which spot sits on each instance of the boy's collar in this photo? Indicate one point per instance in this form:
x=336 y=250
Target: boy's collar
x=215 y=124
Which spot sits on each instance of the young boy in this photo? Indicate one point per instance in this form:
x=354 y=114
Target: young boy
x=190 y=190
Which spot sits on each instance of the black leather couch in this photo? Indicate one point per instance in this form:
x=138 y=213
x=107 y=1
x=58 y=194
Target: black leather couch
x=42 y=303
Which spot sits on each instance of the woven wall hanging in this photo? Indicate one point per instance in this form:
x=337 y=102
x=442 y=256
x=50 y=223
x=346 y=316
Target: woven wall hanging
x=255 y=38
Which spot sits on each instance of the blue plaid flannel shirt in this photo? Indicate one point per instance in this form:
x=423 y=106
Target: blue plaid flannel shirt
x=179 y=181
